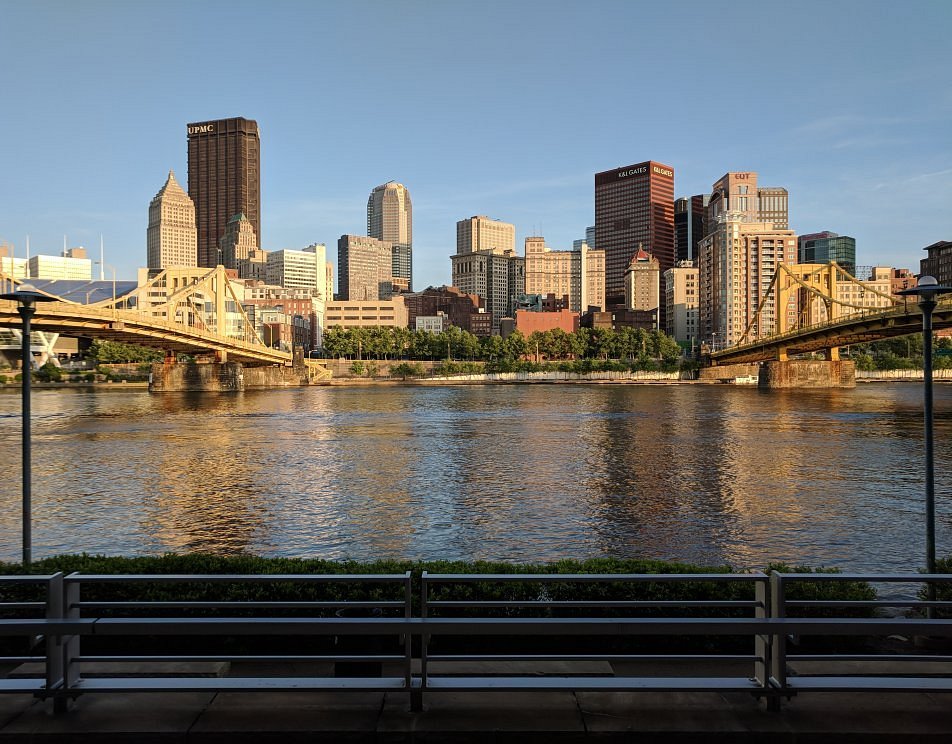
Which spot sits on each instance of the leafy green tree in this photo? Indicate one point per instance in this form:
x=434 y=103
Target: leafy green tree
x=492 y=348
x=515 y=345
x=114 y=352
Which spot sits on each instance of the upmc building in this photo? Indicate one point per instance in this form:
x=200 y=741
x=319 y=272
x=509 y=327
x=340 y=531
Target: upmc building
x=633 y=205
x=224 y=179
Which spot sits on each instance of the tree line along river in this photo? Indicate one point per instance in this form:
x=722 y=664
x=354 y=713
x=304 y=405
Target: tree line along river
x=699 y=473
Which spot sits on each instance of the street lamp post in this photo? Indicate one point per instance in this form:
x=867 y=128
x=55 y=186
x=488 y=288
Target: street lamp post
x=928 y=290
x=26 y=298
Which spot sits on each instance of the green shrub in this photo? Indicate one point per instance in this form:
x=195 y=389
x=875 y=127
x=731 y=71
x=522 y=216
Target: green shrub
x=407 y=369
x=49 y=372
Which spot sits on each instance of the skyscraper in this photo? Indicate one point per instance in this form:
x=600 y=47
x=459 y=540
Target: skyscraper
x=737 y=192
x=390 y=218
x=690 y=222
x=824 y=247
x=224 y=179
x=633 y=205
x=171 y=235
x=643 y=282
x=238 y=242
x=364 y=268
x=486 y=264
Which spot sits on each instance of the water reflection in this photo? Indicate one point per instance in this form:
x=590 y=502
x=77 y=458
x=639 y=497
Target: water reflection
x=705 y=474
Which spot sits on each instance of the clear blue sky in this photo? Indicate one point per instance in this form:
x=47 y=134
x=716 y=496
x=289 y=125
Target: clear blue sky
x=499 y=108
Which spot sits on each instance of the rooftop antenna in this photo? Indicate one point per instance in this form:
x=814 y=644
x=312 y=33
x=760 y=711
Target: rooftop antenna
x=65 y=250
x=28 y=248
x=102 y=265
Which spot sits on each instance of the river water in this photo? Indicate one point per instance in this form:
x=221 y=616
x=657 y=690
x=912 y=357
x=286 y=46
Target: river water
x=707 y=474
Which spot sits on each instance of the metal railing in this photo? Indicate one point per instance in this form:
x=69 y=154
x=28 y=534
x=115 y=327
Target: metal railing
x=107 y=633
x=604 y=628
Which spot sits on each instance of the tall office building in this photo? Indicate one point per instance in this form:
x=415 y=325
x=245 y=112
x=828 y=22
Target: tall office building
x=739 y=194
x=938 y=261
x=690 y=225
x=827 y=247
x=482 y=233
x=171 y=238
x=224 y=179
x=643 y=283
x=238 y=243
x=578 y=274
x=681 y=297
x=736 y=265
x=390 y=218
x=486 y=264
x=589 y=239
x=364 y=268
x=297 y=269
x=633 y=205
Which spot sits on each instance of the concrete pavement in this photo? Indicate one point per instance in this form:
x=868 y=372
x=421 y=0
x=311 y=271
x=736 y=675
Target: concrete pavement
x=210 y=718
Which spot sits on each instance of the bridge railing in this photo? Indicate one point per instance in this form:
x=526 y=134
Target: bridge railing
x=114 y=633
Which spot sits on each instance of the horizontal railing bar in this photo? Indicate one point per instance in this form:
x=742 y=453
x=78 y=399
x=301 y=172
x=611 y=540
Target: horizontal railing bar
x=38 y=626
x=251 y=626
x=26 y=579
x=219 y=657
x=866 y=657
x=871 y=578
x=22 y=605
x=231 y=604
x=592 y=657
x=590 y=578
x=478 y=626
x=238 y=658
x=476 y=604
x=913 y=603
x=234 y=578
x=519 y=626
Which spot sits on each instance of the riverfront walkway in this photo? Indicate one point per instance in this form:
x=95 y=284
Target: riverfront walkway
x=478 y=717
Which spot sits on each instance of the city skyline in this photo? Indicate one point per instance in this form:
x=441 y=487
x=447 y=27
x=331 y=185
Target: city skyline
x=859 y=136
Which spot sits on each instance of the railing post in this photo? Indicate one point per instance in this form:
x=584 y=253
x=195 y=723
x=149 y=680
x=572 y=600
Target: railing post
x=71 y=649
x=54 y=643
x=763 y=642
x=778 y=655
x=408 y=636
x=416 y=695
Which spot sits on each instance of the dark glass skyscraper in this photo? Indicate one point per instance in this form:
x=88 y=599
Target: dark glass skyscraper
x=634 y=206
x=224 y=179
x=690 y=225
x=825 y=247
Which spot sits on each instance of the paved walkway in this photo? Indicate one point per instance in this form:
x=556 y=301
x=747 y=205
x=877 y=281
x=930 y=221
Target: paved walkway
x=477 y=717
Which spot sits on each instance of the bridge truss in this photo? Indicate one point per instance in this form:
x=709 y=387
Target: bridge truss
x=194 y=311
x=834 y=309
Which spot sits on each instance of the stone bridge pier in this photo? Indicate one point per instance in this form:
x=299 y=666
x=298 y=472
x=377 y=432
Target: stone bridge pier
x=222 y=377
x=792 y=373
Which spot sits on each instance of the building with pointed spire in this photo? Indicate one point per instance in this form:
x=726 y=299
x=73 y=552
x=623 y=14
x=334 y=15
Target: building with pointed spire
x=643 y=282
x=238 y=242
x=171 y=238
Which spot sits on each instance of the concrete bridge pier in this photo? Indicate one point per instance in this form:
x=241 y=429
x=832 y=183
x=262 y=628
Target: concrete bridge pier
x=222 y=377
x=808 y=373
x=789 y=373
